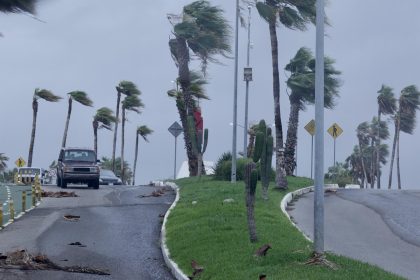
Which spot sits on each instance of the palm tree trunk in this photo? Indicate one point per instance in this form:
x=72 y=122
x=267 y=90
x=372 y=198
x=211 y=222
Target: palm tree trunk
x=135 y=158
x=372 y=165
x=378 y=145
x=95 y=136
x=281 y=181
x=363 y=164
x=250 y=148
x=184 y=80
x=114 y=144
x=32 y=143
x=393 y=152
x=398 y=161
x=291 y=141
x=67 y=123
x=122 y=144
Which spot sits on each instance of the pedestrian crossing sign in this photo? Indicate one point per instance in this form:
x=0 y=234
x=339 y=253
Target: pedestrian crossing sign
x=335 y=130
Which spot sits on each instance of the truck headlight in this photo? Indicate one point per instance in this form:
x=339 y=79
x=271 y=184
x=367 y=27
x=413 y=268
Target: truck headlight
x=94 y=169
x=68 y=169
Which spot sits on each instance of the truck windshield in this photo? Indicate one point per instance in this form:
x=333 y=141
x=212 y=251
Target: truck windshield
x=30 y=171
x=79 y=155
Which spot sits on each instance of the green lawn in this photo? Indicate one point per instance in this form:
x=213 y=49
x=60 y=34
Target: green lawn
x=216 y=236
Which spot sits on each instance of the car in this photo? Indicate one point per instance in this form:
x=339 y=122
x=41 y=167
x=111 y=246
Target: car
x=27 y=174
x=107 y=177
x=79 y=166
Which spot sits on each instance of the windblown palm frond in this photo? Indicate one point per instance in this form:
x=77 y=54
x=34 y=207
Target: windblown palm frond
x=144 y=131
x=81 y=97
x=18 y=6
x=46 y=95
x=132 y=103
x=105 y=117
x=128 y=88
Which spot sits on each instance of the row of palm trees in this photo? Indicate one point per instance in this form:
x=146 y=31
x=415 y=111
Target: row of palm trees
x=368 y=156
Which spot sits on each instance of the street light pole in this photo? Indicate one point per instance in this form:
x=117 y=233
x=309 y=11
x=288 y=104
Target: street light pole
x=319 y=132
x=235 y=98
x=247 y=83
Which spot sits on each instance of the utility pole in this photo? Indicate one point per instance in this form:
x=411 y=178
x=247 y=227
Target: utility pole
x=319 y=132
x=247 y=78
x=235 y=98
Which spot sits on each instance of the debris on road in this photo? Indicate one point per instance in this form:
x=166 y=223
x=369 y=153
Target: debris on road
x=72 y=218
x=331 y=191
x=58 y=194
x=156 y=193
x=161 y=215
x=77 y=244
x=320 y=259
x=22 y=260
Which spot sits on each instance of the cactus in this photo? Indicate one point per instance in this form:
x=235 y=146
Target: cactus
x=251 y=178
x=198 y=141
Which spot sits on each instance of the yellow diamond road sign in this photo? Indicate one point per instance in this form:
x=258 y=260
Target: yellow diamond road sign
x=310 y=127
x=20 y=162
x=335 y=130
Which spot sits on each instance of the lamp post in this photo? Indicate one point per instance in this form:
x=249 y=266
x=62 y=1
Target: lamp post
x=247 y=79
x=235 y=97
x=319 y=132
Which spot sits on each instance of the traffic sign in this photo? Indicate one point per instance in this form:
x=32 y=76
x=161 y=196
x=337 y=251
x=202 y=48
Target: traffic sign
x=20 y=162
x=175 y=129
x=335 y=130
x=310 y=127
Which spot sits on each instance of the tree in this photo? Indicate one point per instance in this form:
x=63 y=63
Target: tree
x=143 y=131
x=130 y=103
x=295 y=15
x=405 y=121
x=3 y=162
x=387 y=104
x=106 y=163
x=47 y=96
x=80 y=97
x=202 y=29
x=363 y=141
x=375 y=127
x=302 y=85
x=104 y=118
x=127 y=88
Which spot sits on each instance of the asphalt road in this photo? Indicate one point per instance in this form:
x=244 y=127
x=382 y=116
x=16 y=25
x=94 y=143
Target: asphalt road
x=380 y=227
x=119 y=230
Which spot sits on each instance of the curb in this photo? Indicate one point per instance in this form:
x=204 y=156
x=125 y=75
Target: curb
x=292 y=195
x=175 y=270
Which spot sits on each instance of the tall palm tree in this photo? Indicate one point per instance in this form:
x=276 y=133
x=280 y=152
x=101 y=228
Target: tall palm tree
x=387 y=104
x=295 y=15
x=405 y=121
x=3 y=160
x=143 y=131
x=104 y=118
x=134 y=104
x=127 y=88
x=47 y=96
x=80 y=97
x=202 y=29
x=363 y=141
x=302 y=85
x=375 y=165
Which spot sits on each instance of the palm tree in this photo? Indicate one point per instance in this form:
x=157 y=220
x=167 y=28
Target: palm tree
x=143 y=131
x=295 y=15
x=375 y=165
x=203 y=30
x=128 y=88
x=80 y=97
x=302 y=85
x=363 y=141
x=3 y=160
x=387 y=104
x=103 y=118
x=47 y=96
x=130 y=103
x=405 y=121
x=19 y=6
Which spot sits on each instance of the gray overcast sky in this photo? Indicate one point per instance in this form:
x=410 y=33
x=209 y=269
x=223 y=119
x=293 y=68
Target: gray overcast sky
x=91 y=45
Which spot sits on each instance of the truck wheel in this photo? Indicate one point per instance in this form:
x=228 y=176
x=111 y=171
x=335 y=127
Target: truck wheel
x=96 y=184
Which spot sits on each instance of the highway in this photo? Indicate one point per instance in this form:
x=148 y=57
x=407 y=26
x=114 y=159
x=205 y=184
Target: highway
x=380 y=227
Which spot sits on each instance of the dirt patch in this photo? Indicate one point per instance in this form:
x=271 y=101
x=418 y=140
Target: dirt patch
x=23 y=260
x=58 y=194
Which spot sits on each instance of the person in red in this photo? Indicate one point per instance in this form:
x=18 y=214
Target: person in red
x=198 y=119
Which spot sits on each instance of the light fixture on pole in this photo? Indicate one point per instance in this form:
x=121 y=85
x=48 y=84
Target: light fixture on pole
x=235 y=98
x=319 y=132
x=247 y=79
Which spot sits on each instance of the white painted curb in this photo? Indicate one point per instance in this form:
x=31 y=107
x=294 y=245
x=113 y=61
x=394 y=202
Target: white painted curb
x=175 y=270
x=289 y=197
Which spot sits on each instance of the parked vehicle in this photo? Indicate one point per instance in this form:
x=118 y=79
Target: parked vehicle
x=107 y=177
x=27 y=174
x=79 y=166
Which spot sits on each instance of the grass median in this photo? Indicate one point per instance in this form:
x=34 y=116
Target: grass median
x=215 y=235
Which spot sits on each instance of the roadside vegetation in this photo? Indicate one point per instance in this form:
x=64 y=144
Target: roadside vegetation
x=215 y=235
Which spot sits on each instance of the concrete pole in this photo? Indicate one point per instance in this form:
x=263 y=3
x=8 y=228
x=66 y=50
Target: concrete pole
x=319 y=132
x=247 y=84
x=175 y=160
x=235 y=98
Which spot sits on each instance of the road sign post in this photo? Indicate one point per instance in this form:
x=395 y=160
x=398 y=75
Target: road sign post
x=310 y=128
x=175 y=129
x=335 y=130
